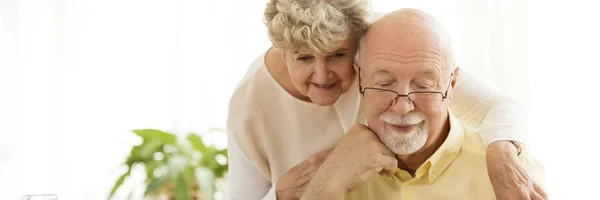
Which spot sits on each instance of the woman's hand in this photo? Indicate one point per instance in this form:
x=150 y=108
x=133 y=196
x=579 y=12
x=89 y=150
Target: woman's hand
x=356 y=159
x=292 y=184
x=509 y=179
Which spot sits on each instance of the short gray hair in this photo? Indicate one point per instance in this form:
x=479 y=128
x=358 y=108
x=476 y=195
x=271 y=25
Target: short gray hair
x=321 y=24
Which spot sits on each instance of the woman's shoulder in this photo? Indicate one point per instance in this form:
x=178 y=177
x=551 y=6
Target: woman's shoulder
x=258 y=63
x=253 y=91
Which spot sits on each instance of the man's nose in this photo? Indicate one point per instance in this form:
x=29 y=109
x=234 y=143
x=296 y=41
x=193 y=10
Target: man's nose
x=402 y=105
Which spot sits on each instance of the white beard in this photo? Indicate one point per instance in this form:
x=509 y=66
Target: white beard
x=404 y=143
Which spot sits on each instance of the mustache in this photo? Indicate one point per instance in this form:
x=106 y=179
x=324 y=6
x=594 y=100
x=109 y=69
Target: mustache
x=409 y=118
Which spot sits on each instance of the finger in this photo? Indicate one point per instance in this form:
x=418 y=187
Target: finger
x=321 y=157
x=318 y=158
x=304 y=165
x=307 y=166
x=313 y=166
x=387 y=163
x=535 y=196
x=390 y=162
x=300 y=189
x=388 y=174
x=324 y=154
x=305 y=178
x=540 y=191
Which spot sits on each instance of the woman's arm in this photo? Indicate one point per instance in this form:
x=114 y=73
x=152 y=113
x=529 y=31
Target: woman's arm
x=245 y=181
x=501 y=123
x=495 y=116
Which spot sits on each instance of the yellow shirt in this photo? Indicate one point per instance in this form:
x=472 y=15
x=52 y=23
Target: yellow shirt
x=457 y=170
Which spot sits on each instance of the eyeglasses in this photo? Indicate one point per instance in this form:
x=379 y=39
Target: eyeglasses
x=384 y=98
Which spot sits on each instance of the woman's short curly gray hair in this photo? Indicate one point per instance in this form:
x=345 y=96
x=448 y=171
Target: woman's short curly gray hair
x=322 y=25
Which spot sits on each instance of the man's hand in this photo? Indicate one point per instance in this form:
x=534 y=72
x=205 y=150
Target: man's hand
x=509 y=179
x=357 y=158
x=292 y=184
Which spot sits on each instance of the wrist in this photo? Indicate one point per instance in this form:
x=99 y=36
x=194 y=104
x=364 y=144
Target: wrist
x=503 y=147
x=323 y=191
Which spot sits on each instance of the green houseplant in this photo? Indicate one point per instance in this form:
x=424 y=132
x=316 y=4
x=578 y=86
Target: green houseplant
x=171 y=164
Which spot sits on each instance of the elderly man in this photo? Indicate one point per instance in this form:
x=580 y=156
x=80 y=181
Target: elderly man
x=407 y=74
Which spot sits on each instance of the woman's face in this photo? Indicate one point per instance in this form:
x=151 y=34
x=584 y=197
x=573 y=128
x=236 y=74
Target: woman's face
x=323 y=77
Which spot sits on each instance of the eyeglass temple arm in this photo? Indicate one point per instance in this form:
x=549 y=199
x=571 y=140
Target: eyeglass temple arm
x=360 y=88
x=448 y=88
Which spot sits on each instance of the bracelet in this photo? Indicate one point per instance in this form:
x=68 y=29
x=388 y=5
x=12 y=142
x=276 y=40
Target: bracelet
x=519 y=146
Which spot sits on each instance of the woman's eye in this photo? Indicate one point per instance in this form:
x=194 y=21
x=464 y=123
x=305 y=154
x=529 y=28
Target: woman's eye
x=337 y=55
x=304 y=58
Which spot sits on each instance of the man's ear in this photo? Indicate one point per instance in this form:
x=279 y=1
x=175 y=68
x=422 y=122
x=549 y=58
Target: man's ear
x=454 y=78
x=456 y=74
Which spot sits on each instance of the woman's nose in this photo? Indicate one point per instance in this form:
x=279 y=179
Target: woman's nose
x=322 y=72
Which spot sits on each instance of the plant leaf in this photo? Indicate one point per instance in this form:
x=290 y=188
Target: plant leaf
x=153 y=134
x=119 y=182
x=208 y=159
x=134 y=156
x=223 y=152
x=220 y=170
x=196 y=142
x=149 y=148
x=181 y=188
x=156 y=184
x=150 y=167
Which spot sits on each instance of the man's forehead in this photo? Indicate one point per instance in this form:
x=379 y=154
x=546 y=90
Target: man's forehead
x=394 y=70
x=384 y=59
x=406 y=32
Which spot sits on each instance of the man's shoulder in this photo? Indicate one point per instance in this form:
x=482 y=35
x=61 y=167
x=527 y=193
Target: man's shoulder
x=472 y=144
x=474 y=151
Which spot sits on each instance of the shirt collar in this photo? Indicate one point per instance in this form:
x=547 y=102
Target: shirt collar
x=441 y=159
x=443 y=156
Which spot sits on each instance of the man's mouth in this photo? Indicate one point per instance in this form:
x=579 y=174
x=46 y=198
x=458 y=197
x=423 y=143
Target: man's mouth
x=403 y=128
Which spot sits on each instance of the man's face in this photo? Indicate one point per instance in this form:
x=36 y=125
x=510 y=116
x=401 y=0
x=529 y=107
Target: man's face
x=416 y=65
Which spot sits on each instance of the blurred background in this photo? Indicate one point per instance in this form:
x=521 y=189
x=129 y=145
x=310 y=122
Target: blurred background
x=77 y=76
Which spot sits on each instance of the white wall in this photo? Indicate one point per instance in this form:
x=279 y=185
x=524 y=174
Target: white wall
x=77 y=75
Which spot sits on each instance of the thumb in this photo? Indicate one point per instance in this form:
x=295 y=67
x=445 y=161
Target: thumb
x=388 y=164
x=324 y=154
x=540 y=191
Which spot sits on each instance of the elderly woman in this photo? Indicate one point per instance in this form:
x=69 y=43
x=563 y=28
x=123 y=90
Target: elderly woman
x=299 y=98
